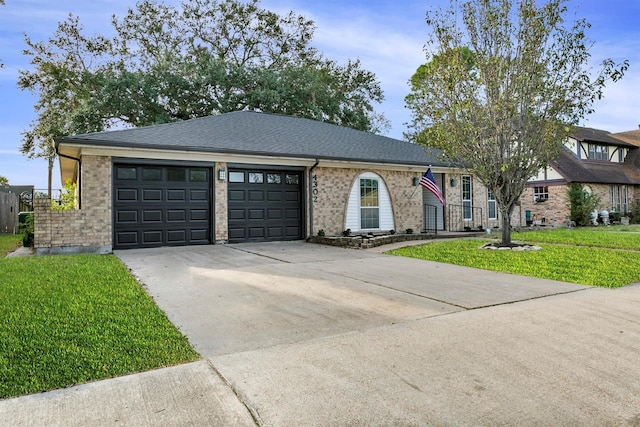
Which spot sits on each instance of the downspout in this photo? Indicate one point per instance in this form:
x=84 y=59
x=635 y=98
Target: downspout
x=79 y=175
x=310 y=180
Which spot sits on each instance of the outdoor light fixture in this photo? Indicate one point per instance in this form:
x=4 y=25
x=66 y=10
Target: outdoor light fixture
x=416 y=181
x=453 y=182
x=222 y=174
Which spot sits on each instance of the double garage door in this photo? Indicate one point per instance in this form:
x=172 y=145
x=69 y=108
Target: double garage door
x=156 y=205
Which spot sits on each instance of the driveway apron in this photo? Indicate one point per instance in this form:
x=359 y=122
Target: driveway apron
x=314 y=335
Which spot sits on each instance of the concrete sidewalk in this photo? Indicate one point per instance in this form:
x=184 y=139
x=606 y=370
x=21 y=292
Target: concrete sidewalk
x=303 y=334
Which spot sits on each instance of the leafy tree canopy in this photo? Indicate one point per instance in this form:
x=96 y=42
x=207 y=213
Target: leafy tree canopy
x=4 y=180
x=504 y=82
x=207 y=57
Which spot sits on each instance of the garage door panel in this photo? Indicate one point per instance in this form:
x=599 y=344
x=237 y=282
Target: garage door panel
x=275 y=232
x=161 y=206
x=236 y=195
x=198 y=215
x=237 y=234
x=201 y=235
x=125 y=216
x=151 y=195
x=174 y=195
x=292 y=196
x=151 y=237
x=292 y=213
x=127 y=238
x=274 y=214
x=256 y=232
x=199 y=195
x=177 y=215
x=151 y=216
x=177 y=236
x=126 y=194
x=274 y=196
x=293 y=231
x=236 y=214
x=256 y=195
x=256 y=213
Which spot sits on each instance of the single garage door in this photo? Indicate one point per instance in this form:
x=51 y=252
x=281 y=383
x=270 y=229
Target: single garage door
x=265 y=205
x=161 y=206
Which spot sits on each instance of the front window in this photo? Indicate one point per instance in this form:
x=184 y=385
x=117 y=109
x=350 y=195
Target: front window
x=467 y=201
x=619 y=200
x=491 y=200
x=540 y=194
x=598 y=152
x=369 y=204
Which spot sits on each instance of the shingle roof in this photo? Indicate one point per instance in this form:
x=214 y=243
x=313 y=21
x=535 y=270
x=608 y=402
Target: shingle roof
x=596 y=135
x=632 y=137
x=253 y=133
x=576 y=170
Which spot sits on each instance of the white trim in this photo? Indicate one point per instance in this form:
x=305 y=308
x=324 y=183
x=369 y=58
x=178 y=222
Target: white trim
x=352 y=219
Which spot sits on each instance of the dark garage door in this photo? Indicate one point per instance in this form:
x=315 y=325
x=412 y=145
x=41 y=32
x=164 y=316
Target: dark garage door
x=161 y=206
x=264 y=205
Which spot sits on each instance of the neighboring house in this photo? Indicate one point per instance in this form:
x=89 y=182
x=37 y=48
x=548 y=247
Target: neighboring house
x=248 y=176
x=605 y=164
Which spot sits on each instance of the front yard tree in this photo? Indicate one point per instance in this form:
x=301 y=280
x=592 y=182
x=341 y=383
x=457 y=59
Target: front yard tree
x=206 y=57
x=502 y=88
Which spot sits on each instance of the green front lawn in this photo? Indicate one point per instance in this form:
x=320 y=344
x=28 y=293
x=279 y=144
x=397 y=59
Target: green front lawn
x=606 y=268
x=615 y=237
x=67 y=320
x=9 y=243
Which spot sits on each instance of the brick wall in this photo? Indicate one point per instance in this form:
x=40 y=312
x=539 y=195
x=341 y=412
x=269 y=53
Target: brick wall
x=554 y=211
x=220 y=194
x=331 y=188
x=85 y=229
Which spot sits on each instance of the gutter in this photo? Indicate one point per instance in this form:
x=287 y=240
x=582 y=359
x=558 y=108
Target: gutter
x=79 y=174
x=310 y=180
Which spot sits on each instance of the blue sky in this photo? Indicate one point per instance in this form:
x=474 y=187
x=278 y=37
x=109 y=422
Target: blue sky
x=386 y=35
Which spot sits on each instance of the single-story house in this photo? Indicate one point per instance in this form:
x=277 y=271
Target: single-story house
x=249 y=176
x=605 y=164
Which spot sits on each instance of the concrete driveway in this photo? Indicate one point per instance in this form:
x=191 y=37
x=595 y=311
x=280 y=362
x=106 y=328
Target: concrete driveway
x=313 y=335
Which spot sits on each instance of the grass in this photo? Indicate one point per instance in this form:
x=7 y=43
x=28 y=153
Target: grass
x=8 y=243
x=608 y=268
x=616 y=237
x=66 y=320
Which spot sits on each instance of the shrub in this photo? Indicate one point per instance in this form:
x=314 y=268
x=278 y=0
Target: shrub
x=67 y=198
x=581 y=203
x=634 y=215
x=347 y=232
x=27 y=232
x=321 y=233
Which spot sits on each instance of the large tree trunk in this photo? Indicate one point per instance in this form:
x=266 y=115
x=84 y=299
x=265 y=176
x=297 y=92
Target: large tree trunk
x=506 y=226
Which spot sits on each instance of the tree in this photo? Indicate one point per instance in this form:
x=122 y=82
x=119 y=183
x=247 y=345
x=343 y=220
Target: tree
x=501 y=90
x=167 y=64
x=4 y=180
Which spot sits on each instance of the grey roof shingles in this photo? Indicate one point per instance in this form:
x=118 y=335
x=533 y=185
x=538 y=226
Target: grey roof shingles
x=252 y=133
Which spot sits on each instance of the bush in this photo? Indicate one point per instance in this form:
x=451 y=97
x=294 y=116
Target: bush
x=634 y=215
x=27 y=232
x=581 y=203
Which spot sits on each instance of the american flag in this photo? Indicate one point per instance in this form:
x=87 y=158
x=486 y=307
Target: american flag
x=428 y=181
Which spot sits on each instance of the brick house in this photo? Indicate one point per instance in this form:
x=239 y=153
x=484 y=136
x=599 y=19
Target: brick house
x=248 y=176
x=606 y=164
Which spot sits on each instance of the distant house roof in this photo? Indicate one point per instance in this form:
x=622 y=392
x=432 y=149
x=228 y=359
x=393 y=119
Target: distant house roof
x=253 y=133
x=632 y=137
x=573 y=169
x=583 y=134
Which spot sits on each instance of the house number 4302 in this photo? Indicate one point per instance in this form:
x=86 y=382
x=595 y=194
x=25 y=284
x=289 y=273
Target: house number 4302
x=314 y=190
